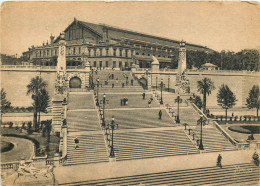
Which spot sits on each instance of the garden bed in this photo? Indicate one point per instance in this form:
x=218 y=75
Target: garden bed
x=39 y=141
x=246 y=129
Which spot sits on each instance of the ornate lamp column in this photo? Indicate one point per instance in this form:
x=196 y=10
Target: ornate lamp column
x=178 y=100
x=201 y=123
x=112 y=126
x=161 y=102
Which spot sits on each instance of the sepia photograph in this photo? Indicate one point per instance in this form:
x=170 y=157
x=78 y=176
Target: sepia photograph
x=130 y=93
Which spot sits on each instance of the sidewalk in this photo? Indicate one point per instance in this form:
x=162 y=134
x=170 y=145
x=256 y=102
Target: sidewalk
x=67 y=174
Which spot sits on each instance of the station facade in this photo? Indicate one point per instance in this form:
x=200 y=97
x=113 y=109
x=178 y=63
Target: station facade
x=107 y=47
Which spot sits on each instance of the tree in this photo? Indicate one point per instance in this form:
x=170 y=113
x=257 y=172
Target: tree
x=198 y=101
x=205 y=87
x=226 y=98
x=5 y=104
x=253 y=100
x=44 y=99
x=34 y=88
x=47 y=129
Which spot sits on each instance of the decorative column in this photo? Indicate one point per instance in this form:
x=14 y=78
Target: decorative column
x=182 y=58
x=58 y=109
x=87 y=72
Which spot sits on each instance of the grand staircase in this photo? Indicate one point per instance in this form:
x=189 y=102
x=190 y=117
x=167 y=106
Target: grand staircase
x=239 y=174
x=91 y=150
x=119 y=78
x=152 y=144
x=214 y=141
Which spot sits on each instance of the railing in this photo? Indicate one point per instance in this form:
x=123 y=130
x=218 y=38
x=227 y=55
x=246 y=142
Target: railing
x=50 y=162
x=13 y=165
x=26 y=67
x=243 y=146
x=224 y=71
x=75 y=67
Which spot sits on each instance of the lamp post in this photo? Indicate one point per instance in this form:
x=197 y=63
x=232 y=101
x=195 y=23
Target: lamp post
x=92 y=78
x=97 y=92
x=156 y=82
x=201 y=122
x=178 y=100
x=104 y=102
x=168 y=83
x=112 y=126
x=161 y=102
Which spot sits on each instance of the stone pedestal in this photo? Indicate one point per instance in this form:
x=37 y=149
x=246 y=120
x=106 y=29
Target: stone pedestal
x=133 y=68
x=252 y=144
x=56 y=162
x=112 y=159
x=39 y=162
x=57 y=112
x=155 y=65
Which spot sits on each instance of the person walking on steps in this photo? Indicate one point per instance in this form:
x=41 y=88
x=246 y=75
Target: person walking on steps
x=143 y=95
x=219 y=161
x=132 y=82
x=149 y=103
x=160 y=114
x=76 y=140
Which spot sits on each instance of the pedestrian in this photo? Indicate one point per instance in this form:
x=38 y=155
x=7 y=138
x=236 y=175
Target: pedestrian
x=151 y=98
x=160 y=114
x=219 y=161
x=256 y=159
x=112 y=76
x=113 y=85
x=126 y=100
x=149 y=103
x=143 y=95
x=76 y=140
x=132 y=82
x=123 y=85
x=96 y=71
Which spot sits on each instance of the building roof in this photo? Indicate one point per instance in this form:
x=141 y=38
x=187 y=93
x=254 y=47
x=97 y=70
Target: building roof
x=129 y=34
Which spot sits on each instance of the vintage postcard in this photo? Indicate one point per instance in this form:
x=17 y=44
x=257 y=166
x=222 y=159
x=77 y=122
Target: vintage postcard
x=130 y=93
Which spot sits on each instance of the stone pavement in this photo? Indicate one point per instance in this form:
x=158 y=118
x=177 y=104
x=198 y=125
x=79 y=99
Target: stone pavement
x=66 y=174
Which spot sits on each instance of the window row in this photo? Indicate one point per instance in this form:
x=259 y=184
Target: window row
x=114 y=64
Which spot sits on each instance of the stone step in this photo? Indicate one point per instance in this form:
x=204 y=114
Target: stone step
x=200 y=176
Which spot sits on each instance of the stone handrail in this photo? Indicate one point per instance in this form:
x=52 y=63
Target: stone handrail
x=227 y=135
x=64 y=147
x=198 y=110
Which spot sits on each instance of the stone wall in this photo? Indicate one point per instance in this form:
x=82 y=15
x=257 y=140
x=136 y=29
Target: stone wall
x=238 y=82
x=15 y=85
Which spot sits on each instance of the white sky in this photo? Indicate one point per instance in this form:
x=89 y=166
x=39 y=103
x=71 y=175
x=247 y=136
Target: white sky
x=217 y=25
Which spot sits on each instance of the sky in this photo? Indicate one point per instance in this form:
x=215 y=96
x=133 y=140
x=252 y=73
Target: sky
x=218 y=25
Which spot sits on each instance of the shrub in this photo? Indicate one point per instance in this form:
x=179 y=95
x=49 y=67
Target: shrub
x=11 y=125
